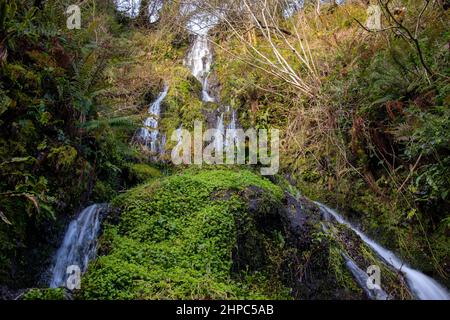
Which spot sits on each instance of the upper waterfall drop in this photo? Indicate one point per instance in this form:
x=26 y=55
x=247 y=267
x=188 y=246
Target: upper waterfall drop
x=200 y=57
x=423 y=286
x=199 y=60
x=79 y=245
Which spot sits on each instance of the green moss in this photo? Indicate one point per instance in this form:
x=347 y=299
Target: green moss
x=176 y=239
x=141 y=172
x=102 y=191
x=45 y=294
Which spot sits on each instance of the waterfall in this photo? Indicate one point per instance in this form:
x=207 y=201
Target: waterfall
x=362 y=277
x=231 y=136
x=154 y=10
x=422 y=286
x=220 y=132
x=291 y=7
x=228 y=132
x=151 y=137
x=131 y=8
x=79 y=244
x=199 y=60
x=128 y=7
x=179 y=134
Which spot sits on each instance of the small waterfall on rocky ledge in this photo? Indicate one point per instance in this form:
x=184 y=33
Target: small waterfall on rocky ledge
x=421 y=285
x=79 y=245
x=361 y=278
x=150 y=134
x=231 y=136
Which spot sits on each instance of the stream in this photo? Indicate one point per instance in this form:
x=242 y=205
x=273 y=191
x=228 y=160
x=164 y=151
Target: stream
x=423 y=287
x=79 y=245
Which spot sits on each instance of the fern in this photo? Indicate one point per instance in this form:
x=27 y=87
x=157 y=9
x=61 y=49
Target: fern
x=127 y=122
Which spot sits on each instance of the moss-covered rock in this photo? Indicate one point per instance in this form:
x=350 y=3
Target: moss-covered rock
x=196 y=235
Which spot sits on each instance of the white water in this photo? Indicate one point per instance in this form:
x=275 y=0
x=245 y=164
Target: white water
x=128 y=7
x=150 y=134
x=422 y=286
x=361 y=277
x=199 y=60
x=79 y=244
x=131 y=8
x=231 y=137
x=179 y=134
x=291 y=7
x=154 y=10
x=218 y=141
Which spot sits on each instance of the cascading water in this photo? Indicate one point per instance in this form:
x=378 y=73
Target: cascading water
x=199 y=60
x=361 y=277
x=151 y=137
x=220 y=133
x=291 y=7
x=228 y=132
x=154 y=10
x=79 y=244
x=128 y=7
x=231 y=133
x=131 y=8
x=422 y=286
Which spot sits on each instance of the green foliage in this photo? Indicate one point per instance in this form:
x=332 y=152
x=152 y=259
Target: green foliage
x=343 y=277
x=45 y=294
x=432 y=133
x=374 y=141
x=428 y=138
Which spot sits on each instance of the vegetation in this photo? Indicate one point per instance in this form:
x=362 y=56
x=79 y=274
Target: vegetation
x=177 y=239
x=54 y=146
x=45 y=294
